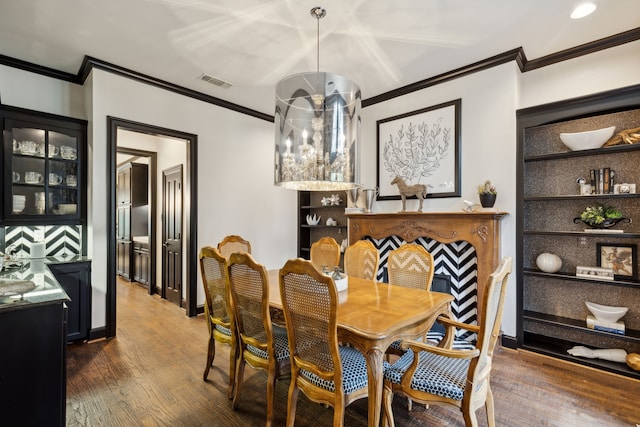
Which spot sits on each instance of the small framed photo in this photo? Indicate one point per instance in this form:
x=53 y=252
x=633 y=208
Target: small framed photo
x=621 y=258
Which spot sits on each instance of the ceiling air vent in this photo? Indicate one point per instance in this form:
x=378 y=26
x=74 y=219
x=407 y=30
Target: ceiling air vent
x=215 y=81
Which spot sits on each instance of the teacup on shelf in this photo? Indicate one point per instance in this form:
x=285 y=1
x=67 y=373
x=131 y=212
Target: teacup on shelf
x=68 y=153
x=32 y=177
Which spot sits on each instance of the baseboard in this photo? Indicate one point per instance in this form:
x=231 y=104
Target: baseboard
x=509 y=342
x=98 y=333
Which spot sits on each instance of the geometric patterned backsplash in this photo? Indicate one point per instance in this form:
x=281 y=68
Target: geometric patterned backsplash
x=457 y=260
x=60 y=240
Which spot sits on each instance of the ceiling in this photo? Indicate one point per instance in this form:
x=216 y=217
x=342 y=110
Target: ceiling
x=380 y=44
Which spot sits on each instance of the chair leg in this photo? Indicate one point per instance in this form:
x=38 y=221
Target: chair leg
x=387 y=411
x=211 y=354
x=470 y=418
x=338 y=415
x=238 y=385
x=491 y=418
x=233 y=358
x=291 y=404
x=271 y=396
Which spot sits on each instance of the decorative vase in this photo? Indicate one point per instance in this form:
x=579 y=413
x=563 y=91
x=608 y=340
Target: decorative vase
x=487 y=200
x=549 y=263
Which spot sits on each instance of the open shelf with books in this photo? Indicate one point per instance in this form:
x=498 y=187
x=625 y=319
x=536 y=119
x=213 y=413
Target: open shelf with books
x=555 y=186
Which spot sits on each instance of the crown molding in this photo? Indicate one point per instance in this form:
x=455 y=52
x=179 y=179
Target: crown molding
x=517 y=55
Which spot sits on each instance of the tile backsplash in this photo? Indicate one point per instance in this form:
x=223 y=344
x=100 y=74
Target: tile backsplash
x=60 y=240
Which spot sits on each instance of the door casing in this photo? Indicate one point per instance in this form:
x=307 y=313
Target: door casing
x=190 y=190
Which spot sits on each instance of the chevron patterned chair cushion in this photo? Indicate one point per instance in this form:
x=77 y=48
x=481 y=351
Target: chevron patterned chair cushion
x=443 y=376
x=354 y=372
x=282 y=345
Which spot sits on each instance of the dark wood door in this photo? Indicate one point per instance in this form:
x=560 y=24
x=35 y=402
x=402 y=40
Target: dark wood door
x=172 y=234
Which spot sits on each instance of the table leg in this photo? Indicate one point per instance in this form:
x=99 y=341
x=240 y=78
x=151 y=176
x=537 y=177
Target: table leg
x=375 y=374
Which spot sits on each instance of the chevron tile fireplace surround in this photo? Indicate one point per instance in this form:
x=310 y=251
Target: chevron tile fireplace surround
x=466 y=247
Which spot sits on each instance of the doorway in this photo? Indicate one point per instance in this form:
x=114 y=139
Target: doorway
x=189 y=212
x=172 y=234
x=137 y=219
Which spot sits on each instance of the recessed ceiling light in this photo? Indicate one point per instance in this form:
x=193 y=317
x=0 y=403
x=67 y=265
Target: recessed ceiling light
x=583 y=10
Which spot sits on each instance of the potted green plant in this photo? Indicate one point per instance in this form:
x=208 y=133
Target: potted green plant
x=487 y=194
x=600 y=216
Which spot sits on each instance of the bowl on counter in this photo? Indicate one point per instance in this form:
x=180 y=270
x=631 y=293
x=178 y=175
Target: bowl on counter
x=587 y=140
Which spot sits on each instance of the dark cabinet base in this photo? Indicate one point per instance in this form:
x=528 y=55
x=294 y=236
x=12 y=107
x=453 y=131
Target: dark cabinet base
x=33 y=366
x=75 y=278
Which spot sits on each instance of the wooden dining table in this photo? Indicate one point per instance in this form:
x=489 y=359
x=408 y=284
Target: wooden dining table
x=371 y=315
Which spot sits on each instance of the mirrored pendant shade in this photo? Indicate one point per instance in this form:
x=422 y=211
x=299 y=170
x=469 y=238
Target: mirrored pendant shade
x=317 y=137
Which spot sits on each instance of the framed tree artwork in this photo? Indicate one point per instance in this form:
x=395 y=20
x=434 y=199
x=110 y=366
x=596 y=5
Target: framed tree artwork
x=420 y=147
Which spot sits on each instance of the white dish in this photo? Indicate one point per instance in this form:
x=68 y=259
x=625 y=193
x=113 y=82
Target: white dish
x=67 y=208
x=606 y=313
x=587 y=140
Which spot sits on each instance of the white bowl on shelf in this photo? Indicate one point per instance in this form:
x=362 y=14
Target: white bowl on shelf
x=606 y=313
x=587 y=140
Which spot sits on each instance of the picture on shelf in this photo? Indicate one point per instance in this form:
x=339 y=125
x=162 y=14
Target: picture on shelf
x=621 y=258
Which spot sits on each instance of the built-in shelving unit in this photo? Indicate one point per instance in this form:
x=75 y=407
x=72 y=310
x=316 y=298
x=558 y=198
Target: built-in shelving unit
x=310 y=203
x=44 y=168
x=551 y=306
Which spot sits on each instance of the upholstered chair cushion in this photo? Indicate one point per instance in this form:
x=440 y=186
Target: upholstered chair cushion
x=354 y=372
x=443 y=376
x=281 y=343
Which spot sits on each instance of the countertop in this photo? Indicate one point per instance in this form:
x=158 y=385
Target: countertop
x=47 y=290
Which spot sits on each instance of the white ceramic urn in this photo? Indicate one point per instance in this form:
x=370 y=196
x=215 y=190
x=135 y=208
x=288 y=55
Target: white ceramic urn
x=549 y=263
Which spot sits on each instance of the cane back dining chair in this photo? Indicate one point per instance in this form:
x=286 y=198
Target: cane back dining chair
x=325 y=252
x=361 y=259
x=260 y=344
x=410 y=266
x=213 y=267
x=326 y=372
x=435 y=375
x=233 y=243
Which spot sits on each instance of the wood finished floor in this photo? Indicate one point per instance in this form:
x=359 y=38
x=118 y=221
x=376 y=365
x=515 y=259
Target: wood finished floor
x=151 y=375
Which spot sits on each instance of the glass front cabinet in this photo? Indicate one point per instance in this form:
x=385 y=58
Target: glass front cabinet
x=44 y=168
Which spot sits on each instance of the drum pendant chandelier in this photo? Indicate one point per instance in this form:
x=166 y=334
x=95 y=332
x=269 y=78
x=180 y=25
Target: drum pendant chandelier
x=317 y=122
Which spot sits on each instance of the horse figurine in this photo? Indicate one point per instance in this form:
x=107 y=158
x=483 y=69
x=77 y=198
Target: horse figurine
x=418 y=190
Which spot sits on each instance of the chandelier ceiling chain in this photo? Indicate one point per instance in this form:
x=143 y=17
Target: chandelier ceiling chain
x=318 y=13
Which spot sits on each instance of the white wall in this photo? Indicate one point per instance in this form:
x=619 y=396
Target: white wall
x=601 y=71
x=35 y=92
x=236 y=194
x=488 y=149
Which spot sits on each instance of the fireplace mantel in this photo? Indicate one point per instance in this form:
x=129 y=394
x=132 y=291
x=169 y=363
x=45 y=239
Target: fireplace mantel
x=481 y=229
